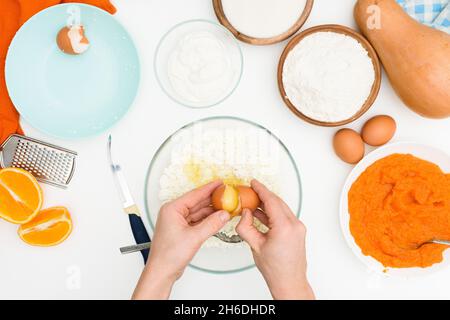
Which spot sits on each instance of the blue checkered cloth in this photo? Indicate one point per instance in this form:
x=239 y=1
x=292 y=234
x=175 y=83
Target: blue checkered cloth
x=434 y=13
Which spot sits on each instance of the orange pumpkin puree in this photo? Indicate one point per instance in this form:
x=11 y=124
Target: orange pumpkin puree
x=397 y=203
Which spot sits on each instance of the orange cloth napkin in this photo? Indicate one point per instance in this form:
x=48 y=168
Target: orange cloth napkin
x=13 y=13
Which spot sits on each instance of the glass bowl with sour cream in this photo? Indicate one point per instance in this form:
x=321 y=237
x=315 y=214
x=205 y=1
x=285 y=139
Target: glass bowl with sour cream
x=198 y=63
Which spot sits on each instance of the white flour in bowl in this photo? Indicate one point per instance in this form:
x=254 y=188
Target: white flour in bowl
x=328 y=76
x=236 y=156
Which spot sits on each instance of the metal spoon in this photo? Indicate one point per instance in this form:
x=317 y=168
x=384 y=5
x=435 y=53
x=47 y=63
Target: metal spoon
x=228 y=239
x=136 y=248
x=435 y=241
x=143 y=246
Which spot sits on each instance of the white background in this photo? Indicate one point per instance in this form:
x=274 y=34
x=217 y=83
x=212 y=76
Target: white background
x=100 y=227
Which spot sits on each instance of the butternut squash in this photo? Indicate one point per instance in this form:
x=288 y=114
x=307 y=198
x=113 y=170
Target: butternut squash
x=416 y=57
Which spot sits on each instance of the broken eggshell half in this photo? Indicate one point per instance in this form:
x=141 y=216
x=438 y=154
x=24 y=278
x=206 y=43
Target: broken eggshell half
x=72 y=40
x=234 y=199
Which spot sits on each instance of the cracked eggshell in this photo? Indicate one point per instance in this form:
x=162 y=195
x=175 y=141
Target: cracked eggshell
x=72 y=40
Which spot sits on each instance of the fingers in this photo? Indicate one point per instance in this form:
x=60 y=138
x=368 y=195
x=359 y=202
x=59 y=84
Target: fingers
x=194 y=197
x=248 y=232
x=200 y=215
x=211 y=225
x=202 y=204
x=272 y=204
x=264 y=194
x=261 y=216
x=274 y=207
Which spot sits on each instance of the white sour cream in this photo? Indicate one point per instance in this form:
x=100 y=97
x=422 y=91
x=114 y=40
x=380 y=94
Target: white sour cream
x=200 y=69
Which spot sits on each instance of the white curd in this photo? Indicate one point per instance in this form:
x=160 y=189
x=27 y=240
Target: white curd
x=201 y=69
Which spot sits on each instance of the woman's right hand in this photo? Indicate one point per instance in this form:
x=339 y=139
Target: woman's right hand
x=280 y=253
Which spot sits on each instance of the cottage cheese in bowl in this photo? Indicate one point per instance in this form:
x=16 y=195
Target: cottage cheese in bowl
x=230 y=149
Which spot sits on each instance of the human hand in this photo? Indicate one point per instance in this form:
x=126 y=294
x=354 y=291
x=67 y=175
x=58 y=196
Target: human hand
x=280 y=253
x=183 y=226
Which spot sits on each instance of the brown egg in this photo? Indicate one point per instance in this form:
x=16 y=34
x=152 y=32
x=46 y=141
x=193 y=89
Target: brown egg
x=348 y=146
x=249 y=198
x=379 y=130
x=226 y=198
x=72 y=40
x=235 y=199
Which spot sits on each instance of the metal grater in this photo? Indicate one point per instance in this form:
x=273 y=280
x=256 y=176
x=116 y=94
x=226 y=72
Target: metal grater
x=48 y=163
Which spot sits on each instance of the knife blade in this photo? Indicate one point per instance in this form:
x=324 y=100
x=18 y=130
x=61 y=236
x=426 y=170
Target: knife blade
x=128 y=204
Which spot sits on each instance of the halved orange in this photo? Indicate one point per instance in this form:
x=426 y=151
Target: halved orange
x=20 y=195
x=49 y=228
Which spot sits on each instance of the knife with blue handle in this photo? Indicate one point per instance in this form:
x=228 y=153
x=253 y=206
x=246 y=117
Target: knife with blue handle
x=129 y=206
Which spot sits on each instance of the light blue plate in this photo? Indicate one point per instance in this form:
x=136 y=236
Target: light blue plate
x=72 y=96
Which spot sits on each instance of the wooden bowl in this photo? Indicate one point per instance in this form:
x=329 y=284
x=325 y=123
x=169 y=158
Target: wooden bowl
x=342 y=30
x=218 y=9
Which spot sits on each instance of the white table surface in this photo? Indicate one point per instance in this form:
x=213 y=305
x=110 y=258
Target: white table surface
x=89 y=266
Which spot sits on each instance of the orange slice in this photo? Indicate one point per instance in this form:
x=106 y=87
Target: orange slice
x=49 y=228
x=20 y=195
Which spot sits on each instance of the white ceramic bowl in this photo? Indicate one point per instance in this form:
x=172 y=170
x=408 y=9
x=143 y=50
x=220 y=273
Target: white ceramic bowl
x=419 y=150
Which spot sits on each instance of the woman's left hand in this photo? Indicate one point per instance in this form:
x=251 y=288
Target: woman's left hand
x=183 y=226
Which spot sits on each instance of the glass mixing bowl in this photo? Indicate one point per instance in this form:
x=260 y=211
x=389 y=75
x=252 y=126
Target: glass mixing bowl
x=232 y=258
x=170 y=42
